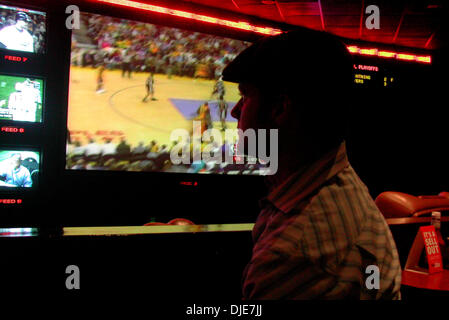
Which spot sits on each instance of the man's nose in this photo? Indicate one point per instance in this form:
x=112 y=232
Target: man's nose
x=235 y=112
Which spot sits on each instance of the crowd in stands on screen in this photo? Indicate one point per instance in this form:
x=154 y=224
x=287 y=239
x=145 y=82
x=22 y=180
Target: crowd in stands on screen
x=147 y=47
x=147 y=157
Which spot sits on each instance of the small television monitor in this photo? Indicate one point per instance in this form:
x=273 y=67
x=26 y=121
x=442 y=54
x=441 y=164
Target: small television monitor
x=19 y=168
x=21 y=98
x=22 y=29
x=138 y=91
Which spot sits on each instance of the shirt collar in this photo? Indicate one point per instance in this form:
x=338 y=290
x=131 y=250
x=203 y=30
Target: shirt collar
x=303 y=182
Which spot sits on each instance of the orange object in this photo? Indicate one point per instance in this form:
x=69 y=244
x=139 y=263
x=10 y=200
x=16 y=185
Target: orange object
x=426 y=239
x=180 y=221
x=398 y=205
x=436 y=281
x=155 y=224
x=444 y=194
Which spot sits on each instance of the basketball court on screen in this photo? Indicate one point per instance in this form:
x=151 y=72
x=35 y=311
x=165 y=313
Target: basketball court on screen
x=120 y=113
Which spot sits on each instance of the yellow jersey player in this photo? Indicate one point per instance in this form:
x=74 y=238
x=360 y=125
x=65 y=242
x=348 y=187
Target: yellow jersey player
x=100 y=80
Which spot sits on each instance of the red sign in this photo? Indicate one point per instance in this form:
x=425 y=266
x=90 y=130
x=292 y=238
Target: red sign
x=16 y=58
x=189 y=183
x=432 y=247
x=13 y=129
x=365 y=67
x=11 y=201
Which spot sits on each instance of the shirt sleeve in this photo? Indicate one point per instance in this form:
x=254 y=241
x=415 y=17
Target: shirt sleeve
x=273 y=275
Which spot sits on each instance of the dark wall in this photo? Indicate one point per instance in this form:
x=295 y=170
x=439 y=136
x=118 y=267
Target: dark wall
x=397 y=136
x=181 y=267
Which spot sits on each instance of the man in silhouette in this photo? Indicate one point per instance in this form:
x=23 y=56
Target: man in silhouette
x=318 y=229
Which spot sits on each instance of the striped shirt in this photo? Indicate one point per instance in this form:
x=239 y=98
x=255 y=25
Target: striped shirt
x=316 y=235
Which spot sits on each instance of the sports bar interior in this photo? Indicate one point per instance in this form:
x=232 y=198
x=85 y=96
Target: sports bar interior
x=126 y=219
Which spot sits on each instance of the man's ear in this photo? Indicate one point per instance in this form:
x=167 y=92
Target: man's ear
x=282 y=110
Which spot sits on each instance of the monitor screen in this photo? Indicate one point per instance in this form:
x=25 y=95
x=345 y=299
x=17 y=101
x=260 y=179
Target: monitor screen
x=22 y=29
x=19 y=168
x=138 y=91
x=21 y=98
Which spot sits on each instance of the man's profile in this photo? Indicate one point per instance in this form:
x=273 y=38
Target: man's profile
x=318 y=228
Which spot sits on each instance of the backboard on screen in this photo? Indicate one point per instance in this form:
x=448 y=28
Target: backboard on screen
x=133 y=84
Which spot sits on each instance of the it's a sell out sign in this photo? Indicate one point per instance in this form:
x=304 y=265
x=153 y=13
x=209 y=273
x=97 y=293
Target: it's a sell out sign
x=432 y=247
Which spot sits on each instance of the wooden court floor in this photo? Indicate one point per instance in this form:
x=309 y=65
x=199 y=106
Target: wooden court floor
x=120 y=112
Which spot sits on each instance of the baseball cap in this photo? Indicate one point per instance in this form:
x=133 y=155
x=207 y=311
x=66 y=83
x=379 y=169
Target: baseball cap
x=22 y=16
x=299 y=56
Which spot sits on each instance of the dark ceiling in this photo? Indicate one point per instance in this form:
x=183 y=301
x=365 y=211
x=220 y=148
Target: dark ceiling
x=408 y=23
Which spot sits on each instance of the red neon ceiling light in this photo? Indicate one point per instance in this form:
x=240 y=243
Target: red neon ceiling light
x=389 y=54
x=242 y=25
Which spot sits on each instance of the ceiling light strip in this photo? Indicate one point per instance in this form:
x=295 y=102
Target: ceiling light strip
x=241 y=25
x=389 y=54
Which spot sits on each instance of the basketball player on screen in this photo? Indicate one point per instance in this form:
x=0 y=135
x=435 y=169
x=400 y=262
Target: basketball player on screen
x=100 y=80
x=149 y=85
x=17 y=37
x=203 y=115
x=222 y=112
x=219 y=89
